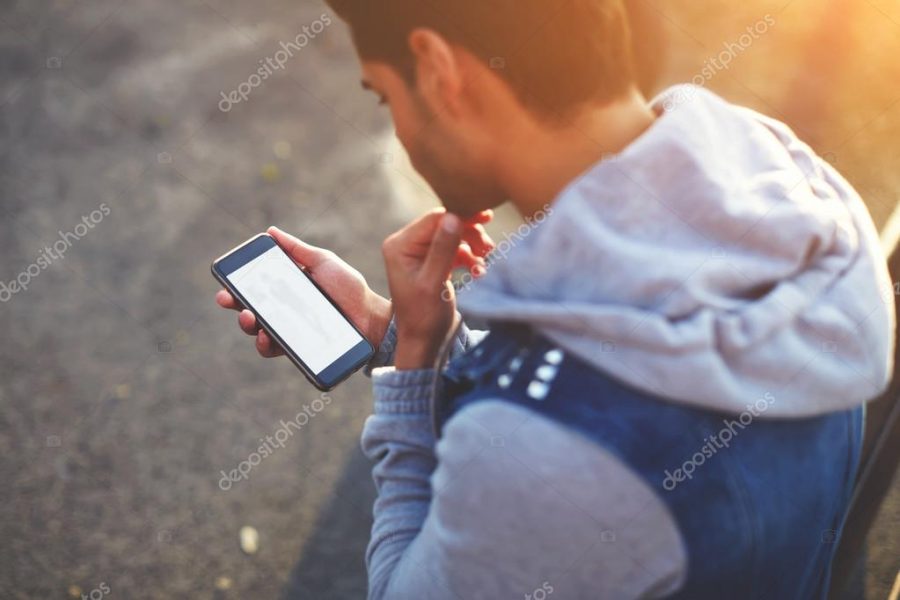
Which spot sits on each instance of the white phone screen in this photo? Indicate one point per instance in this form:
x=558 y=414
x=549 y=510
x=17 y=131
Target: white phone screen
x=295 y=309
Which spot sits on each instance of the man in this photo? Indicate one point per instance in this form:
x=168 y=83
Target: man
x=669 y=401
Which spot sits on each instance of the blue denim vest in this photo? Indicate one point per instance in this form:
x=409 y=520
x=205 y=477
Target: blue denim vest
x=759 y=506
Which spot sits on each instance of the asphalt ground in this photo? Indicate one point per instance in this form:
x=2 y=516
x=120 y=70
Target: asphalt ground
x=125 y=392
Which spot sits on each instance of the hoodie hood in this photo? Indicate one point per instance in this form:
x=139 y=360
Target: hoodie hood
x=714 y=262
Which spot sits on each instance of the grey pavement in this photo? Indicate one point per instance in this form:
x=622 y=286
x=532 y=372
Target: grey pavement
x=124 y=391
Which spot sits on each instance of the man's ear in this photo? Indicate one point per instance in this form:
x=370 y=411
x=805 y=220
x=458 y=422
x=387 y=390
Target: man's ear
x=438 y=75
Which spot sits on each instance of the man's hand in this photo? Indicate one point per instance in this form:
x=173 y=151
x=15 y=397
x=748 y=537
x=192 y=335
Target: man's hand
x=370 y=312
x=419 y=259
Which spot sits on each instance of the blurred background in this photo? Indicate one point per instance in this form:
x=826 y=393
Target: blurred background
x=124 y=391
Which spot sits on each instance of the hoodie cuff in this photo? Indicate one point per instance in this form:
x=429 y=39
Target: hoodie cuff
x=402 y=392
x=384 y=356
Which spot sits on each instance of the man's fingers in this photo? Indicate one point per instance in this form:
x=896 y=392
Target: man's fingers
x=303 y=253
x=485 y=216
x=466 y=258
x=415 y=239
x=247 y=322
x=226 y=300
x=478 y=239
x=421 y=231
x=266 y=347
x=443 y=250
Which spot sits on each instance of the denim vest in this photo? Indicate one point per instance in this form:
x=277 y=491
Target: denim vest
x=759 y=503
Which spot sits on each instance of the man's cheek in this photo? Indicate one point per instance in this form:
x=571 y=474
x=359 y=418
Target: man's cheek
x=421 y=159
x=409 y=121
x=406 y=133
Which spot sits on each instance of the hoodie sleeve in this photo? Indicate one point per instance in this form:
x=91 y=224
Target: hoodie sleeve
x=384 y=356
x=506 y=504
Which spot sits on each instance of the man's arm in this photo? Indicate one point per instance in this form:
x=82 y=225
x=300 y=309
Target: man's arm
x=505 y=504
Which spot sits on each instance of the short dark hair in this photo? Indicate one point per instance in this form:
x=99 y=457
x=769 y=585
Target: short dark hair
x=556 y=56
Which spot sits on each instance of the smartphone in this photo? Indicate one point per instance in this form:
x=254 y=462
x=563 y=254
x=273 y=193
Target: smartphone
x=315 y=335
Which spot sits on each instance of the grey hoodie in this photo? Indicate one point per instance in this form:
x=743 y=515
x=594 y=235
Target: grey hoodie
x=714 y=260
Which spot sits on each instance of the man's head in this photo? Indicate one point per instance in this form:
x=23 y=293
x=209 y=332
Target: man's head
x=458 y=74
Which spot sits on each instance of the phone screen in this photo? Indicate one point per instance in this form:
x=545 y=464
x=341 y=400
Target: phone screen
x=304 y=319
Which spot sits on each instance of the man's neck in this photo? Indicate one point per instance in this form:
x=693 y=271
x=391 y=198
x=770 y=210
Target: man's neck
x=540 y=161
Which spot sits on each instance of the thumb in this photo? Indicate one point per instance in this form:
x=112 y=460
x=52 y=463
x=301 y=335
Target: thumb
x=442 y=253
x=302 y=253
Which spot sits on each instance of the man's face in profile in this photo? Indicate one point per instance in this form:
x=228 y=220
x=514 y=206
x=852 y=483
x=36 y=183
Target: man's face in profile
x=456 y=164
